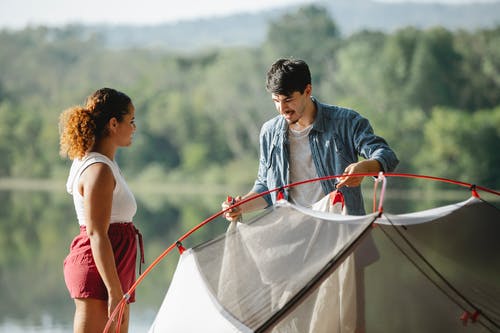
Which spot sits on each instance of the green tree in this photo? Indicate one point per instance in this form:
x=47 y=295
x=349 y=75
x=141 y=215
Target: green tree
x=234 y=98
x=435 y=75
x=396 y=63
x=356 y=81
x=309 y=34
x=7 y=121
x=462 y=146
x=213 y=102
x=481 y=67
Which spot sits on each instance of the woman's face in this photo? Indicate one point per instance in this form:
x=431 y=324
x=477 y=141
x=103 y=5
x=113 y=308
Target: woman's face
x=125 y=129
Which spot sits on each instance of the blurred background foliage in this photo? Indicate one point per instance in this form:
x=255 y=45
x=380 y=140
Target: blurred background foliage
x=433 y=94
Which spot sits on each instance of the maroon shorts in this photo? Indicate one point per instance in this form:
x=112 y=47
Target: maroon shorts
x=80 y=271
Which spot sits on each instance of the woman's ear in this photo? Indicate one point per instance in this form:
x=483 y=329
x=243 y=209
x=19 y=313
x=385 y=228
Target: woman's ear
x=113 y=124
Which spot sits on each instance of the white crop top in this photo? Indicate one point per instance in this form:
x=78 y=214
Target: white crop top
x=124 y=205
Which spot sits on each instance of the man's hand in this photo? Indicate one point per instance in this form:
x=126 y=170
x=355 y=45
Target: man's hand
x=365 y=166
x=235 y=213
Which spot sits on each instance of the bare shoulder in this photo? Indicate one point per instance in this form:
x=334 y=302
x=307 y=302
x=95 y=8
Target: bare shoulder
x=97 y=176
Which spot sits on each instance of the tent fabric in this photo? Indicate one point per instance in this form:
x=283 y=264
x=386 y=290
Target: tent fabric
x=452 y=263
x=292 y=269
x=189 y=306
x=275 y=257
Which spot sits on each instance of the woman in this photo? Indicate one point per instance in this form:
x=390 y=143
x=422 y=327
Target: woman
x=101 y=264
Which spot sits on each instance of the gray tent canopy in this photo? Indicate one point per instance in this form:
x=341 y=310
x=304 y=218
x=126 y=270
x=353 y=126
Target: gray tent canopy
x=293 y=269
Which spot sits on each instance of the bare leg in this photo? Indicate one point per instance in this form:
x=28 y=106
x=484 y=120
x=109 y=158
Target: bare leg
x=91 y=315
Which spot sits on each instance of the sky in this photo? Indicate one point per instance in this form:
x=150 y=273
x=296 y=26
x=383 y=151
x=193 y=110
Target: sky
x=17 y=14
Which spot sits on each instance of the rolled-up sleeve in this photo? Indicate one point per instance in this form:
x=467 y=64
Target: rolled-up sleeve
x=371 y=146
x=260 y=184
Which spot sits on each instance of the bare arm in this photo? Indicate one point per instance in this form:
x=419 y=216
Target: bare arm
x=97 y=185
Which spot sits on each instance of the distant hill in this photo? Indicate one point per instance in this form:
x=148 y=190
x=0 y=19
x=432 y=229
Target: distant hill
x=250 y=29
x=354 y=15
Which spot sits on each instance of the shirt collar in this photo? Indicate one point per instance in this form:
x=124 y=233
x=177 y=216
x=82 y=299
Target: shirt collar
x=319 y=121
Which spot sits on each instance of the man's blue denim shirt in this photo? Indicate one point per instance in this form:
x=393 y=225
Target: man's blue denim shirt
x=338 y=137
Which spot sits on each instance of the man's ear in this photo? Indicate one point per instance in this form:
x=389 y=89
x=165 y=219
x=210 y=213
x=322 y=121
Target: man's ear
x=308 y=90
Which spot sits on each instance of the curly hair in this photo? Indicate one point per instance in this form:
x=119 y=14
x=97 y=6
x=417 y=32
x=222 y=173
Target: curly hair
x=80 y=127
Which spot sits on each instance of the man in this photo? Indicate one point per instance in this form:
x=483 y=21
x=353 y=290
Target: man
x=309 y=139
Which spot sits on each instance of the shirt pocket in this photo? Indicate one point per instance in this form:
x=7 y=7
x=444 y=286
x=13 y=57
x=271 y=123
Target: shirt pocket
x=342 y=156
x=275 y=158
x=274 y=166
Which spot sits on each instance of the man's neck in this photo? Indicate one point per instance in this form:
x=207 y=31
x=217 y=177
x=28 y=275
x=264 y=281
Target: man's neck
x=308 y=118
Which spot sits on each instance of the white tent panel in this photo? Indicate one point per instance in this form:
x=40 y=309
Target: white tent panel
x=425 y=216
x=189 y=307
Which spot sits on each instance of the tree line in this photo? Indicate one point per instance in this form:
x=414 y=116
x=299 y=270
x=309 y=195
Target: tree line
x=433 y=94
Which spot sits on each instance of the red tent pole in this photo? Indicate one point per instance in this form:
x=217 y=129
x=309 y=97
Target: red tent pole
x=139 y=280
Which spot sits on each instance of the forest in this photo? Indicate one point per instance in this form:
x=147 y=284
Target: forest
x=432 y=93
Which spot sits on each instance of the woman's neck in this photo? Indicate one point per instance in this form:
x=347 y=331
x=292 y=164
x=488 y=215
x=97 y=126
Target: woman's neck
x=105 y=149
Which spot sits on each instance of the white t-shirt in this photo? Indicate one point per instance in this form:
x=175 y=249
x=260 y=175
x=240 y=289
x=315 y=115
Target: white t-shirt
x=124 y=205
x=302 y=168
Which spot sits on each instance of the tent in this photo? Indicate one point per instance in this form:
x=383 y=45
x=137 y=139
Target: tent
x=292 y=269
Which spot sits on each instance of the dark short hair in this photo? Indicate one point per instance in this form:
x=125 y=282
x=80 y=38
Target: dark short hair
x=285 y=76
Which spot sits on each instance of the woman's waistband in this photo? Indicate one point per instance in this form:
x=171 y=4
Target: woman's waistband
x=123 y=227
x=115 y=226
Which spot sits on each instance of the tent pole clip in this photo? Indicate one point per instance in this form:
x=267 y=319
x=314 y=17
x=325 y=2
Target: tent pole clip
x=474 y=191
x=180 y=247
x=281 y=194
x=468 y=315
x=465 y=317
x=474 y=316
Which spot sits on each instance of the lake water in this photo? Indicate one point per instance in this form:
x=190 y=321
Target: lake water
x=38 y=226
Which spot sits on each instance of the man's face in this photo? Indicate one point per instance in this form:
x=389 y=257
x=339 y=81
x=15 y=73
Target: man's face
x=292 y=107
